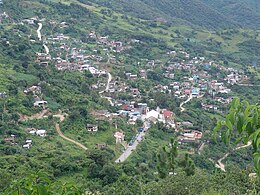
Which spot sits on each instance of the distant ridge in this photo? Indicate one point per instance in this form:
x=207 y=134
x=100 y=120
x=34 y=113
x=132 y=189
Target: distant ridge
x=205 y=13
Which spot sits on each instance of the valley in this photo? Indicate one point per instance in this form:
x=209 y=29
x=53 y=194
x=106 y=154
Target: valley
x=116 y=103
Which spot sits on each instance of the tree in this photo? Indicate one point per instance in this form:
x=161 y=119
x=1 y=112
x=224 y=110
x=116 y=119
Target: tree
x=168 y=162
x=242 y=123
x=109 y=174
x=189 y=166
x=40 y=184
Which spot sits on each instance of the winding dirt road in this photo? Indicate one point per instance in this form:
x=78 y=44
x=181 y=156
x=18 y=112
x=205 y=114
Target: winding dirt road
x=39 y=31
x=221 y=165
x=186 y=101
x=47 y=51
x=39 y=115
x=107 y=89
x=108 y=81
x=57 y=126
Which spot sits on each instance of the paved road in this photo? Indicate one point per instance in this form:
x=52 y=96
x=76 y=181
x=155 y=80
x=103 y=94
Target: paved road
x=130 y=149
x=221 y=165
x=57 y=126
x=186 y=101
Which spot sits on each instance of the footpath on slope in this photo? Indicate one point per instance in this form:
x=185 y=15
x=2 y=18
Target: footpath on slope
x=221 y=165
x=107 y=88
x=39 y=115
x=62 y=118
x=186 y=101
x=57 y=127
x=39 y=31
x=42 y=114
x=47 y=51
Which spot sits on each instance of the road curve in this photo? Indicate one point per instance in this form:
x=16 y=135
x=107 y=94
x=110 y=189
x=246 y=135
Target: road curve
x=39 y=115
x=107 y=89
x=186 y=101
x=47 y=51
x=221 y=165
x=57 y=126
x=39 y=31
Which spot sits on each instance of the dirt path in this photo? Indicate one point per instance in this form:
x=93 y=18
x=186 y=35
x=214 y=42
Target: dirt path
x=221 y=165
x=108 y=81
x=47 y=51
x=39 y=31
x=39 y=115
x=57 y=126
x=186 y=101
x=201 y=148
x=107 y=88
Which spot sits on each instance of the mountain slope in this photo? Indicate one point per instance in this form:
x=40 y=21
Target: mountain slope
x=210 y=14
x=246 y=13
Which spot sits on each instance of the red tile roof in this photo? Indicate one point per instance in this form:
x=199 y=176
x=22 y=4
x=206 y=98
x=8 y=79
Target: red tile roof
x=167 y=114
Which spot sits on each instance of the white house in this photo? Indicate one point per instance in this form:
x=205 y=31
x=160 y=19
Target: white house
x=41 y=133
x=33 y=132
x=40 y=103
x=92 y=128
x=28 y=141
x=154 y=114
x=26 y=146
x=119 y=137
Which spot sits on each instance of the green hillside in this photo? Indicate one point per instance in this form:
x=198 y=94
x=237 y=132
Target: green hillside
x=88 y=71
x=208 y=14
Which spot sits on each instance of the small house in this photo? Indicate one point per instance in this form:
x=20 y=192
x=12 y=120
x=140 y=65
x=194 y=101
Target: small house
x=92 y=128
x=187 y=92
x=119 y=137
x=135 y=91
x=10 y=139
x=26 y=146
x=28 y=141
x=101 y=146
x=33 y=132
x=40 y=103
x=167 y=114
x=41 y=133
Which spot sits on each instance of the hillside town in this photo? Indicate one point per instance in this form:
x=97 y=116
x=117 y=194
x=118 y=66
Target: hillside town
x=196 y=81
x=129 y=97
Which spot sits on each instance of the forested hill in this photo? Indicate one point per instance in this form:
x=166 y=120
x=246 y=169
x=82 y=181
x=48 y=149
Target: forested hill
x=206 y=13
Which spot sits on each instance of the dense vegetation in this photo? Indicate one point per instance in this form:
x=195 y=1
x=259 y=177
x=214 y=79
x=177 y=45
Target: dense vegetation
x=159 y=165
x=204 y=13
